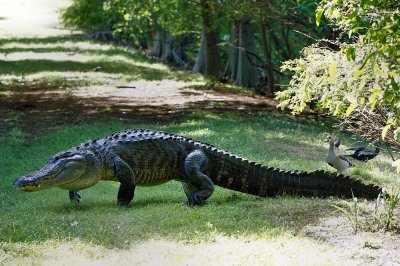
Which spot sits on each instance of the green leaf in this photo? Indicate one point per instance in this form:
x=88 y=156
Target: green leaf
x=332 y=69
x=394 y=84
x=351 y=53
x=377 y=88
x=351 y=108
x=363 y=82
x=385 y=131
x=397 y=134
x=351 y=98
x=318 y=16
x=358 y=73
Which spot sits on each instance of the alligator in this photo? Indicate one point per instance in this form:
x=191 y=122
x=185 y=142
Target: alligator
x=142 y=157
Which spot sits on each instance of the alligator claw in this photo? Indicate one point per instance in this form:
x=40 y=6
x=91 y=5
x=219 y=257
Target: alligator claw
x=194 y=200
x=74 y=196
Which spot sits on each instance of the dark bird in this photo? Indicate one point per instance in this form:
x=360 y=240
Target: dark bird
x=362 y=153
x=337 y=143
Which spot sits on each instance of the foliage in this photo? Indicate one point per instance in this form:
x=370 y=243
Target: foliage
x=385 y=207
x=364 y=74
x=88 y=15
x=351 y=211
x=139 y=22
x=383 y=216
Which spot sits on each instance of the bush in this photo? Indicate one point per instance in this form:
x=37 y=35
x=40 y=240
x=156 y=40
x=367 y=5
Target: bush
x=87 y=15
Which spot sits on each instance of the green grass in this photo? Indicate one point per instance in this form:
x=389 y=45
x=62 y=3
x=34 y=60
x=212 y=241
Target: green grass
x=158 y=227
x=128 y=64
x=33 y=223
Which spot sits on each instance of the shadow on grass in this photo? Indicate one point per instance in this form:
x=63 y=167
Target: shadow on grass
x=59 y=48
x=48 y=40
x=25 y=67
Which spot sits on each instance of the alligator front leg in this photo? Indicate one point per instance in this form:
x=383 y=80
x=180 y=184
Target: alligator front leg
x=199 y=187
x=124 y=174
x=74 y=196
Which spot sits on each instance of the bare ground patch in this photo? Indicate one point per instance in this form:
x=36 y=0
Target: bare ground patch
x=37 y=108
x=363 y=248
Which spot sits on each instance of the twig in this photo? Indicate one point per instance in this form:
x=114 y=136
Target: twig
x=390 y=152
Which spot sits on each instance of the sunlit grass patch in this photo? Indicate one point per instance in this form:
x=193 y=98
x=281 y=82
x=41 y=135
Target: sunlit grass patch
x=224 y=87
x=19 y=58
x=283 y=250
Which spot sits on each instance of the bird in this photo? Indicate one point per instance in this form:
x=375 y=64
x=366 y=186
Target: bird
x=337 y=143
x=362 y=153
x=339 y=162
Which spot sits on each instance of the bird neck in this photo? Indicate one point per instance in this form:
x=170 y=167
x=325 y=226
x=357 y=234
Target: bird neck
x=332 y=147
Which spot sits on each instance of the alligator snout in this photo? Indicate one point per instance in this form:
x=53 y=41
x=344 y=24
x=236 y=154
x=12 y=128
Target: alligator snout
x=22 y=183
x=19 y=182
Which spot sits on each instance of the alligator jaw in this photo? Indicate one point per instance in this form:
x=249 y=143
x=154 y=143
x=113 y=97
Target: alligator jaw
x=29 y=188
x=26 y=185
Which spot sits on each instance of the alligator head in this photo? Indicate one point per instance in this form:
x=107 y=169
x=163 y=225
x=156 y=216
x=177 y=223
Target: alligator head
x=61 y=169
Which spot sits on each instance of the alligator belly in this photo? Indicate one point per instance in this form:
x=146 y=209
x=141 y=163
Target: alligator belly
x=152 y=178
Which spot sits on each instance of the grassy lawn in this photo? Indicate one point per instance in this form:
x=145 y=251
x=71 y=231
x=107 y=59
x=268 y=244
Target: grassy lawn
x=158 y=227
x=44 y=226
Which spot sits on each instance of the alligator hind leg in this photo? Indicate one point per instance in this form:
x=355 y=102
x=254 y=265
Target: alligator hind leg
x=125 y=176
x=74 y=196
x=199 y=186
x=189 y=189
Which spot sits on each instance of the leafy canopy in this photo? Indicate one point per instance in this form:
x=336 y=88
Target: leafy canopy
x=363 y=73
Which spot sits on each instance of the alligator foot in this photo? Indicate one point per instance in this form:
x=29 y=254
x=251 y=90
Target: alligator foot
x=198 y=187
x=74 y=196
x=195 y=199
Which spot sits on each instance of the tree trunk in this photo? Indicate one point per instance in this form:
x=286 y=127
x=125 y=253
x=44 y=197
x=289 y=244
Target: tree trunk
x=231 y=69
x=157 y=44
x=178 y=50
x=285 y=34
x=246 y=75
x=211 y=35
x=267 y=56
x=167 y=48
x=201 y=59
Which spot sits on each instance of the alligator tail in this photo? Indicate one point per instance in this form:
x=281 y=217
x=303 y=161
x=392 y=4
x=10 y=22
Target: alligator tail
x=249 y=177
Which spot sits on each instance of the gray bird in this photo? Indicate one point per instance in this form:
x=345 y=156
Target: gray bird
x=339 y=162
